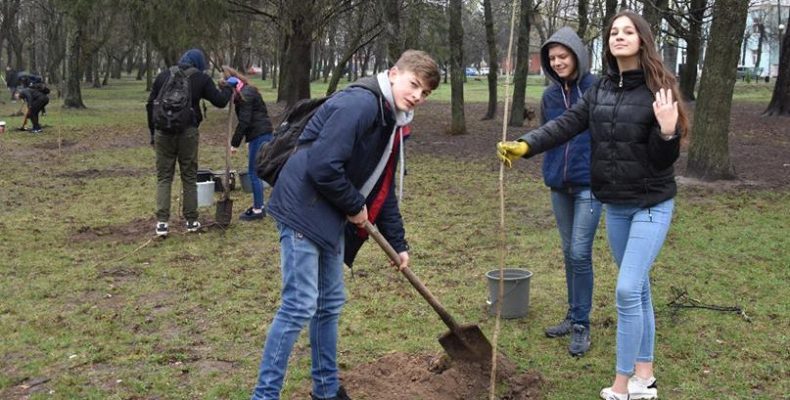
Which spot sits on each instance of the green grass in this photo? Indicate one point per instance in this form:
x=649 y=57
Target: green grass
x=81 y=304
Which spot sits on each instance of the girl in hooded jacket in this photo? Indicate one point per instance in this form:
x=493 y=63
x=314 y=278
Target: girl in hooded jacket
x=636 y=120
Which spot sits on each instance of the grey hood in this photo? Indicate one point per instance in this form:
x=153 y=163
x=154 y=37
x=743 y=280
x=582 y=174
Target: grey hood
x=568 y=38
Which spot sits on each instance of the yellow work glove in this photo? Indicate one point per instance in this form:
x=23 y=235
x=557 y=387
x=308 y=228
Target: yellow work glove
x=507 y=152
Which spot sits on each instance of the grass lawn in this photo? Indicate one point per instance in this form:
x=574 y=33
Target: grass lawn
x=92 y=308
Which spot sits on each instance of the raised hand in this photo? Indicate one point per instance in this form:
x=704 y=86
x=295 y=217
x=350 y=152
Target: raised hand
x=666 y=110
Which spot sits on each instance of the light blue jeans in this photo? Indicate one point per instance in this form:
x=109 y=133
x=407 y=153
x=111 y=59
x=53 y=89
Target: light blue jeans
x=255 y=182
x=577 y=213
x=636 y=236
x=312 y=291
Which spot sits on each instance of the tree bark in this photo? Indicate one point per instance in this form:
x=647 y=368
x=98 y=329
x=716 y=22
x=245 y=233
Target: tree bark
x=584 y=19
x=295 y=70
x=493 y=64
x=456 y=33
x=609 y=12
x=522 y=65
x=392 y=24
x=688 y=76
x=709 y=156
x=653 y=14
x=780 y=100
x=73 y=95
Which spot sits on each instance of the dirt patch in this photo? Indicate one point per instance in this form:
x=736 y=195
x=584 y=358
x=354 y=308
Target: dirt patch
x=759 y=147
x=423 y=376
x=124 y=233
x=53 y=145
x=93 y=173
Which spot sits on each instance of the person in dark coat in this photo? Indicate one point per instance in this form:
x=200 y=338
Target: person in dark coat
x=182 y=146
x=255 y=128
x=343 y=172
x=36 y=96
x=11 y=81
x=566 y=170
x=636 y=120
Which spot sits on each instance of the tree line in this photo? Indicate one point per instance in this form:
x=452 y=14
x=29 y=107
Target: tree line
x=296 y=42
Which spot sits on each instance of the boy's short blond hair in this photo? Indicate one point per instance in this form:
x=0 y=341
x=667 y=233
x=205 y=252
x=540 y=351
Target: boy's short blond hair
x=422 y=65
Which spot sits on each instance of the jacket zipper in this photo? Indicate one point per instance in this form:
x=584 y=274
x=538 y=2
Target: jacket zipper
x=614 y=126
x=567 y=101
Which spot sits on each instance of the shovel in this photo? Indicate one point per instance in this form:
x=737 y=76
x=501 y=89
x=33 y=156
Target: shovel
x=462 y=342
x=224 y=211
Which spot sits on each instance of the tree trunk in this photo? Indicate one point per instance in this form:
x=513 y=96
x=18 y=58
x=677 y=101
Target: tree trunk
x=149 y=73
x=295 y=70
x=709 y=156
x=493 y=64
x=653 y=14
x=456 y=31
x=584 y=19
x=688 y=76
x=522 y=65
x=107 y=69
x=780 y=100
x=73 y=95
x=760 y=38
x=392 y=24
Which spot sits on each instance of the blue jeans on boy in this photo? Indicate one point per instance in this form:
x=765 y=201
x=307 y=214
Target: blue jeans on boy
x=257 y=183
x=636 y=236
x=312 y=291
x=577 y=213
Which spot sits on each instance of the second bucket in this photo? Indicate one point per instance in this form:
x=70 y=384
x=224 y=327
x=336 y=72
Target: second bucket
x=515 y=302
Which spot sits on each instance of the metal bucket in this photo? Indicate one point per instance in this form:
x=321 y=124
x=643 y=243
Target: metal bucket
x=515 y=302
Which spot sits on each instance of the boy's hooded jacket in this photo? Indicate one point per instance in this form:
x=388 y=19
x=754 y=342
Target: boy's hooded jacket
x=567 y=165
x=342 y=145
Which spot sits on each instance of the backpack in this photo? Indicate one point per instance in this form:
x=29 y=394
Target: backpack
x=272 y=155
x=172 y=108
x=40 y=86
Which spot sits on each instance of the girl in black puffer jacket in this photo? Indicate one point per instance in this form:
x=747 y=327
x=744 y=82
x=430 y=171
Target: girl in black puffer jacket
x=636 y=127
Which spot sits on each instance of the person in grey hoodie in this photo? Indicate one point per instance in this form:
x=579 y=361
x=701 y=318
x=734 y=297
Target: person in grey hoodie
x=566 y=170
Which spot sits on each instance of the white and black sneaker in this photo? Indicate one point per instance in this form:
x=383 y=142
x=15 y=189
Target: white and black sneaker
x=161 y=229
x=640 y=388
x=609 y=394
x=193 y=226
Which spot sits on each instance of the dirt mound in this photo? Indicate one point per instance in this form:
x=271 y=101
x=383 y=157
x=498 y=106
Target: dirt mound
x=400 y=376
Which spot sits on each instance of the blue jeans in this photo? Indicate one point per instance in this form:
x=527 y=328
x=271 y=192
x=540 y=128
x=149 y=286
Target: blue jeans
x=577 y=213
x=312 y=291
x=257 y=183
x=636 y=235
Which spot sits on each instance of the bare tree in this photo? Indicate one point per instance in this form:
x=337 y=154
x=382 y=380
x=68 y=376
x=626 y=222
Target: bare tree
x=493 y=64
x=709 y=156
x=458 y=124
x=522 y=65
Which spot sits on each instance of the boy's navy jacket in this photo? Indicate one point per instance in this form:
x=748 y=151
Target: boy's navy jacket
x=34 y=98
x=319 y=185
x=569 y=164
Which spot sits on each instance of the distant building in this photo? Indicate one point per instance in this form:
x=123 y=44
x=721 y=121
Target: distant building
x=764 y=20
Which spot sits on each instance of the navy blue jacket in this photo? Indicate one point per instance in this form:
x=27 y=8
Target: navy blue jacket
x=319 y=185
x=567 y=165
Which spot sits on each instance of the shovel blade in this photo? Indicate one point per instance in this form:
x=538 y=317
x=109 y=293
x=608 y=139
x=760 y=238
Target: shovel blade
x=467 y=343
x=224 y=213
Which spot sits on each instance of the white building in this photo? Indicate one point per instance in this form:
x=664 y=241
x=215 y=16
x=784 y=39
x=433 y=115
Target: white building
x=763 y=16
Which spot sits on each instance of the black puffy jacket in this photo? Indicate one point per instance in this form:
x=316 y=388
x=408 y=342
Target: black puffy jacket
x=631 y=163
x=252 y=115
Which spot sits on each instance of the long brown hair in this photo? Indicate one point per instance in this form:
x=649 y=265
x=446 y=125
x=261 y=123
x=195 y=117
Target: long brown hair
x=656 y=74
x=227 y=72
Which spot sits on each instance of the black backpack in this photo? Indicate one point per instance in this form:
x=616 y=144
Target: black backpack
x=172 y=108
x=272 y=156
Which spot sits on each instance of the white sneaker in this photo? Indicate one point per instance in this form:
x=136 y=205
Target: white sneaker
x=161 y=229
x=640 y=388
x=608 y=394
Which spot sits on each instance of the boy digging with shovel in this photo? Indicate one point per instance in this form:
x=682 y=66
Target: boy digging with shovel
x=343 y=171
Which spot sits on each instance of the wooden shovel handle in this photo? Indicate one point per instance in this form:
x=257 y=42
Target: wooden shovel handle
x=393 y=255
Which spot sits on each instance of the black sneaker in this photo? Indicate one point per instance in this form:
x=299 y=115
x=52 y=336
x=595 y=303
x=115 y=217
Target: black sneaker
x=580 y=340
x=341 y=395
x=250 y=215
x=161 y=229
x=193 y=226
x=561 y=329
